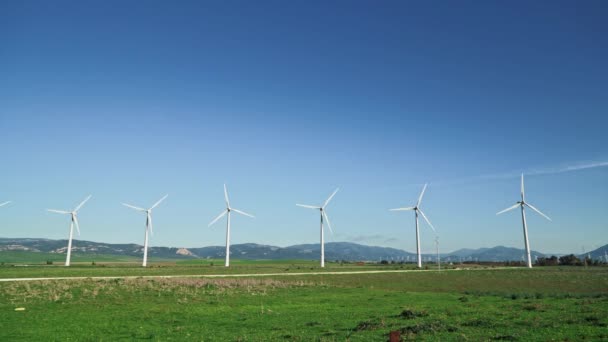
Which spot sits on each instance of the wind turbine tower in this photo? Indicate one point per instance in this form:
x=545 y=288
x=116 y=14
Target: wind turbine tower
x=228 y=210
x=522 y=204
x=74 y=221
x=323 y=214
x=417 y=211
x=438 y=257
x=148 y=225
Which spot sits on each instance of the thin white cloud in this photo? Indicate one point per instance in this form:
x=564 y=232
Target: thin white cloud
x=530 y=172
x=569 y=168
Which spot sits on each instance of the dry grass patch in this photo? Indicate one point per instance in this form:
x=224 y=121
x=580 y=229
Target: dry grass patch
x=181 y=288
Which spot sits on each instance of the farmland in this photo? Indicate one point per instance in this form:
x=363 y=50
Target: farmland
x=480 y=304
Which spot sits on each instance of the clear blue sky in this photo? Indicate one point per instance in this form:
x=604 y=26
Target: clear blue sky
x=284 y=101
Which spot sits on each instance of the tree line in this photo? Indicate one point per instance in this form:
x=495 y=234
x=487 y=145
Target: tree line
x=568 y=260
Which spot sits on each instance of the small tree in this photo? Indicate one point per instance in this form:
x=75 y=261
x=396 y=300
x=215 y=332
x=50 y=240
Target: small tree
x=570 y=260
x=552 y=261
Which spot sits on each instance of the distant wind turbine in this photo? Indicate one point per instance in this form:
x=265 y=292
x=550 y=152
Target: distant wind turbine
x=5 y=203
x=74 y=221
x=228 y=210
x=417 y=210
x=148 y=225
x=438 y=257
x=523 y=204
x=323 y=215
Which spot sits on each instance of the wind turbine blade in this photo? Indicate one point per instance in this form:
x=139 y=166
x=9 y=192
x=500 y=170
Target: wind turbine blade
x=150 y=223
x=538 y=211
x=82 y=203
x=427 y=221
x=307 y=206
x=133 y=207
x=159 y=201
x=522 y=187
x=226 y=197
x=58 y=211
x=328 y=223
x=421 y=194
x=5 y=203
x=242 y=212
x=330 y=197
x=218 y=217
x=75 y=219
x=509 y=208
x=402 y=209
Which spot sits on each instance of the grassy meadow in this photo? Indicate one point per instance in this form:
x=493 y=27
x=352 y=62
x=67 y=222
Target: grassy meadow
x=118 y=267
x=455 y=305
x=39 y=258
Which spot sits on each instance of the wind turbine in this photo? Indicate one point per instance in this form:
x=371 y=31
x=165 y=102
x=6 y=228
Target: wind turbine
x=523 y=204
x=5 y=203
x=224 y=212
x=74 y=221
x=148 y=225
x=417 y=210
x=323 y=215
x=438 y=257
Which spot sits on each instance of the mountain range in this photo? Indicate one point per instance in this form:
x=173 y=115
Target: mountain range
x=333 y=251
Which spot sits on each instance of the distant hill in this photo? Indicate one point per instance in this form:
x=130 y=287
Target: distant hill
x=88 y=247
x=501 y=253
x=252 y=251
x=599 y=253
x=333 y=251
x=466 y=252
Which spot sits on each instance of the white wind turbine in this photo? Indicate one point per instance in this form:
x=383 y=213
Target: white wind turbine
x=148 y=224
x=417 y=210
x=74 y=221
x=523 y=204
x=323 y=215
x=228 y=210
x=5 y=203
x=438 y=256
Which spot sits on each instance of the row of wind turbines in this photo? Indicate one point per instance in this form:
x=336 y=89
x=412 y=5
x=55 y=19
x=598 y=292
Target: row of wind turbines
x=323 y=218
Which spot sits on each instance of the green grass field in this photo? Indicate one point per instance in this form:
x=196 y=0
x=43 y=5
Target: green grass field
x=25 y=257
x=483 y=304
x=190 y=267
